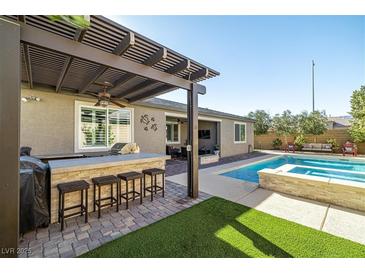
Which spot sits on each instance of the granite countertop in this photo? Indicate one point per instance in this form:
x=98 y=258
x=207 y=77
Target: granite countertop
x=103 y=161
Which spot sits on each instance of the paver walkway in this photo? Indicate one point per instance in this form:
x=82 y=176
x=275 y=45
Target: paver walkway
x=78 y=237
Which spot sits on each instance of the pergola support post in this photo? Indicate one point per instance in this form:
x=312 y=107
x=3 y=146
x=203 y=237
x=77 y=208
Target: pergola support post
x=193 y=157
x=9 y=137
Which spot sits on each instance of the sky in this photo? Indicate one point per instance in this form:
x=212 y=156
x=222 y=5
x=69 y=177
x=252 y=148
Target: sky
x=265 y=62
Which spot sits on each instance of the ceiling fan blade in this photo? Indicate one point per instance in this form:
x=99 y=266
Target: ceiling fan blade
x=92 y=94
x=104 y=84
x=117 y=104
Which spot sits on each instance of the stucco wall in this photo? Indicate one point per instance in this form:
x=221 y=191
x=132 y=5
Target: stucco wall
x=150 y=140
x=48 y=126
x=228 y=147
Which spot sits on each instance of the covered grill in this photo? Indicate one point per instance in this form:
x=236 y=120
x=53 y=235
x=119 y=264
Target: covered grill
x=34 y=194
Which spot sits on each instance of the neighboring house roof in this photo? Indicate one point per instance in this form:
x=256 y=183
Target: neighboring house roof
x=171 y=105
x=340 y=122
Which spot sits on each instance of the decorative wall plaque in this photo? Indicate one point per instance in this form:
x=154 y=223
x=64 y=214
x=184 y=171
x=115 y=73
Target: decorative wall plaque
x=148 y=123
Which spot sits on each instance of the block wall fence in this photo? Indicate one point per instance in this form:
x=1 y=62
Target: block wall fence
x=341 y=136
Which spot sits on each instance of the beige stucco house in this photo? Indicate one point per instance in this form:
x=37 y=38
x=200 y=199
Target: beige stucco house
x=60 y=124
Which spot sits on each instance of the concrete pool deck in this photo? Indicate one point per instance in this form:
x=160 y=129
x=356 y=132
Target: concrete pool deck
x=339 y=221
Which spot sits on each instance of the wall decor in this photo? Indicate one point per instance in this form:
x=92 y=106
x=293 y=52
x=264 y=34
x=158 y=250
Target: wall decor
x=148 y=122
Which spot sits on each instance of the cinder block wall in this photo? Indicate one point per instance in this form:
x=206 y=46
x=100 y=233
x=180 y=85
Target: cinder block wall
x=341 y=136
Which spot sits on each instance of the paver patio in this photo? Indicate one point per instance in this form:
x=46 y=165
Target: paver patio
x=78 y=237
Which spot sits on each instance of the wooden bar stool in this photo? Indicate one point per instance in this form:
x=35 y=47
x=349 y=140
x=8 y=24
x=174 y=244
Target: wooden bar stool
x=154 y=188
x=70 y=187
x=99 y=182
x=131 y=176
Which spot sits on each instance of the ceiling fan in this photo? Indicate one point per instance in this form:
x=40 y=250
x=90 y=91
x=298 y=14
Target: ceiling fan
x=104 y=97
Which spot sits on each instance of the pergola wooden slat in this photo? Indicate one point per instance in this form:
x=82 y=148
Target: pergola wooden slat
x=111 y=37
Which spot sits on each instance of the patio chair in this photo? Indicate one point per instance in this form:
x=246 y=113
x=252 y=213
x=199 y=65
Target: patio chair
x=349 y=148
x=25 y=151
x=290 y=147
x=184 y=152
x=173 y=152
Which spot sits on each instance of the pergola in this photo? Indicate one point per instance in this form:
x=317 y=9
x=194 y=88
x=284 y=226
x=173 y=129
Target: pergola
x=41 y=52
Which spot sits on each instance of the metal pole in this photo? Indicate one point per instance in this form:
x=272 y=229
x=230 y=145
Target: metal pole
x=313 y=85
x=9 y=137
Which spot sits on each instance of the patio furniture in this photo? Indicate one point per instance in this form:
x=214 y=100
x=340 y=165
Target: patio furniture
x=174 y=152
x=130 y=176
x=184 y=152
x=25 y=151
x=349 y=148
x=70 y=187
x=203 y=151
x=100 y=182
x=317 y=147
x=154 y=188
x=290 y=147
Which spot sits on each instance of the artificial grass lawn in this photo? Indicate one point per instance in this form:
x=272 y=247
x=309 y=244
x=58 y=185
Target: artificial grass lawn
x=220 y=228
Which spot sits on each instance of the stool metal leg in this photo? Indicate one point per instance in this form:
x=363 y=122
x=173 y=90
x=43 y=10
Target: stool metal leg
x=120 y=191
x=86 y=204
x=94 y=197
x=82 y=201
x=134 y=189
x=99 y=201
x=144 y=182
x=140 y=189
x=151 y=188
x=111 y=195
x=59 y=206
x=163 y=184
x=117 y=196
x=62 y=211
x=155 y=188
x=126 y=194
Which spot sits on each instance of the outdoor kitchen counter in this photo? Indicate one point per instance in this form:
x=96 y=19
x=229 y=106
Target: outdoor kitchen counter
x=60 y=166
x=87 y=168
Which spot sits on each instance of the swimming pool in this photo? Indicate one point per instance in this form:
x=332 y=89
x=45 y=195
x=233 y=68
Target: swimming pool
x=249 y=173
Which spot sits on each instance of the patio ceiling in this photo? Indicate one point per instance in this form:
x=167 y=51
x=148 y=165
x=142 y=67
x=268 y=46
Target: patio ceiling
x=60 y=56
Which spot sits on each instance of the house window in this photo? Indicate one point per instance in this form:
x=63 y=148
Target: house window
x=99 y=128
x=239 y=133
x=172 y=133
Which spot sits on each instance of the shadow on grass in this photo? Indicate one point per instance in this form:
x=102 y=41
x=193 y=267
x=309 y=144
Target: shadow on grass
x=261 y=243
x=207 y=230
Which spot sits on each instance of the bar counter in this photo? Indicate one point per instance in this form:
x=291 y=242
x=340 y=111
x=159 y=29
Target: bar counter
x=87 y=168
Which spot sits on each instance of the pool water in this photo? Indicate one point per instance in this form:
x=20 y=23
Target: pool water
x=329 y=174
x=249 y=173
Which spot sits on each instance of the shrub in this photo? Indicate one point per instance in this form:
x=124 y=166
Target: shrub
x=335 y=145
x=299 y=141
x=314 y=123
x=285 y=125
x=262 y=121
x=357 y=129
x=276 y=144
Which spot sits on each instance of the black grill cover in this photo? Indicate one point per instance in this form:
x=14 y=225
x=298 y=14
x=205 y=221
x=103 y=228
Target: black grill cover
x=34 y=194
